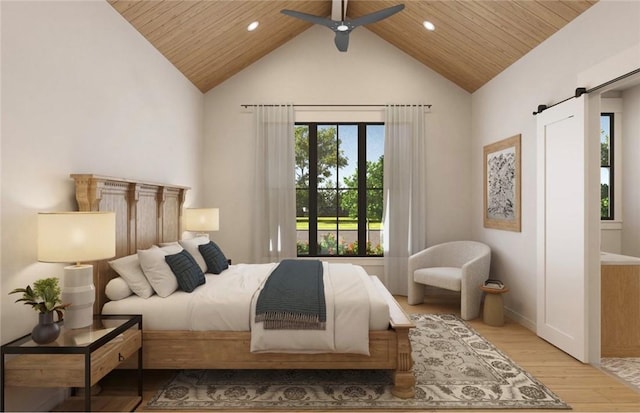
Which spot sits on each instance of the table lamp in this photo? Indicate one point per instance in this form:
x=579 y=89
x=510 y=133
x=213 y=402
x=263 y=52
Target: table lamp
x=202 y=220
x=77 y=237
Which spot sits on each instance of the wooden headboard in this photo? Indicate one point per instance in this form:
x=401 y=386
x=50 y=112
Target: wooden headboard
x=146 y=214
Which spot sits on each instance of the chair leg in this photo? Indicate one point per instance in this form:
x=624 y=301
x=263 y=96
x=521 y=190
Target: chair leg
x=416 y=293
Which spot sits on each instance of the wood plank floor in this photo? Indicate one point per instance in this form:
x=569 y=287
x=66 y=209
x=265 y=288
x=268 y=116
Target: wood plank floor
x=584 y=387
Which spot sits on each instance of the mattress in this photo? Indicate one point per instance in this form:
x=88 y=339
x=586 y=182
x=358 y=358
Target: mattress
x=228 y=296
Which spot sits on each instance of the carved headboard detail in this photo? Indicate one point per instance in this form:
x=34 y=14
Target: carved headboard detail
x=146 y=214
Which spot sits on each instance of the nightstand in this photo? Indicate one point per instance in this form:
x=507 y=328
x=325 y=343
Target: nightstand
x=78 y=358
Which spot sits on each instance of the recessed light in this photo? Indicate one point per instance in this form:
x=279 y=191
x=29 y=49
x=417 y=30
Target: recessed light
x=428 y=25
x=253 y=26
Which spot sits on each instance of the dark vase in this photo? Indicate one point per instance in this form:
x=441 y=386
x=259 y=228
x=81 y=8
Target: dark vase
x=46 y=331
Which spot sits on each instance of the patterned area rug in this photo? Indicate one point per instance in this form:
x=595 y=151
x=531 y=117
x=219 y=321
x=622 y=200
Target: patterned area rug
x=626 y=369
x=454 y=366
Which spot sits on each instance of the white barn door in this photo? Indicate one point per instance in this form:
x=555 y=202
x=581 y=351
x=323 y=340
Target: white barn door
x=562 y=248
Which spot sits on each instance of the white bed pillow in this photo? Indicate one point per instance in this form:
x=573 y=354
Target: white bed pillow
x=129 y=269
x=171 y=247
x=191 y=245
x=117 y=289
x=157 y=271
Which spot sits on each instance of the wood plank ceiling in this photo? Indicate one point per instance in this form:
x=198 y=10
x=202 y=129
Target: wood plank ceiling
x=474 y=40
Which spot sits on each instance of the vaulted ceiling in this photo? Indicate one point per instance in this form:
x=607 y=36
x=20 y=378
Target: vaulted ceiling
x=474 y=40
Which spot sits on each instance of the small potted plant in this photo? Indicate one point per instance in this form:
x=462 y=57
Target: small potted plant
x=44 y=297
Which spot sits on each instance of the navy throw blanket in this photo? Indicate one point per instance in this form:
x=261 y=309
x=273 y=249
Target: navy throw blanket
x=293 y=297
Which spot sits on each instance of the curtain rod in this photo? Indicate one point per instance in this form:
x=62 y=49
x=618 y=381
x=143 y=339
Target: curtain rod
x=246 y=105
x=582 y=90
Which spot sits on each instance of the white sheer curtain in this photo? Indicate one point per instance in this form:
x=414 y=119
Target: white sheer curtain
x=405 y=188
x=275 y=198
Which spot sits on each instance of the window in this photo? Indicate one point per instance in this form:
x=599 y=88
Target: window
x=339 y=188
x=606 y=166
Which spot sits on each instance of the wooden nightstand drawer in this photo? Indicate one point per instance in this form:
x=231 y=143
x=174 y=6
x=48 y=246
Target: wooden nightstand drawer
x=112 y=355
x=42 y=370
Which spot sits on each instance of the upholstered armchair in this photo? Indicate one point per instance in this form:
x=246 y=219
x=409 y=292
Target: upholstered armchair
x=458 y=266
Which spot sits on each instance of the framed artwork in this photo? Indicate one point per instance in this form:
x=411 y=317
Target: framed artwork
x=502 y=184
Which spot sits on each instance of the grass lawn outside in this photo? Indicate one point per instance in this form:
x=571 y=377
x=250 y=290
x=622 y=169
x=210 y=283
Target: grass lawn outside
x=329 y=223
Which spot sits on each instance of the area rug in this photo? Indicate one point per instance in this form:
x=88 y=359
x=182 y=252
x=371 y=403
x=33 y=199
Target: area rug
x=455 y=368
x=626 y=369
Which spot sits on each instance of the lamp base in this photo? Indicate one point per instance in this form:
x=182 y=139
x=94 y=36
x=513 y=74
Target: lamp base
x=78 y=290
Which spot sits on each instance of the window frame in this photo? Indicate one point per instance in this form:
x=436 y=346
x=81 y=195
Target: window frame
x=610 y=167
x=362 y=189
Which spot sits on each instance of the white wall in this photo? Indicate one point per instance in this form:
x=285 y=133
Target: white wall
x=309 y=70
x=631 y=172
x=504 y=107
x=82 y=92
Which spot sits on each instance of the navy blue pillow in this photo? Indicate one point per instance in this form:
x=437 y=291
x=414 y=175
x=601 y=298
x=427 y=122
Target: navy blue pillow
x=186 y=270
x=213 y=256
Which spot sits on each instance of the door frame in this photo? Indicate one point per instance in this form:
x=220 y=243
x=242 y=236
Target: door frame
x=594 y=286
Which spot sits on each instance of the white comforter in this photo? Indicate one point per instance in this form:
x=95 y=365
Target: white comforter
x=226 y=303
x=347 y=311
x=347 y=329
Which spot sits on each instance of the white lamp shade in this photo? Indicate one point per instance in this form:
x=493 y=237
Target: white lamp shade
x=201 y=219
x=76 y=236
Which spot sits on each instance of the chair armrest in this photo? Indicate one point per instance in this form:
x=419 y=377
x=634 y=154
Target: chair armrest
x=476 y=271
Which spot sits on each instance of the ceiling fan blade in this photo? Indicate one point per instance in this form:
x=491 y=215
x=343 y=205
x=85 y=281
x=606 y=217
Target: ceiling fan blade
x=377 y=16
x=342 y=41
x=309 y=17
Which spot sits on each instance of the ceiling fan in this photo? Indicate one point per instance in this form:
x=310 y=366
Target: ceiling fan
x=343 y=27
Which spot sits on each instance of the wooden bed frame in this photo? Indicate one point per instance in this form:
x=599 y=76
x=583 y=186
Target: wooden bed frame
x=149 y=213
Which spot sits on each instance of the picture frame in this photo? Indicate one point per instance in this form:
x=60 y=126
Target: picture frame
x=502 y=185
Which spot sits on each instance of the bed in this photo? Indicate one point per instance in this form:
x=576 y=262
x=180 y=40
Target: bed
x=149 y=214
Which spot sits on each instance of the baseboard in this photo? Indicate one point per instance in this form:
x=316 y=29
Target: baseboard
x=520 y=319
